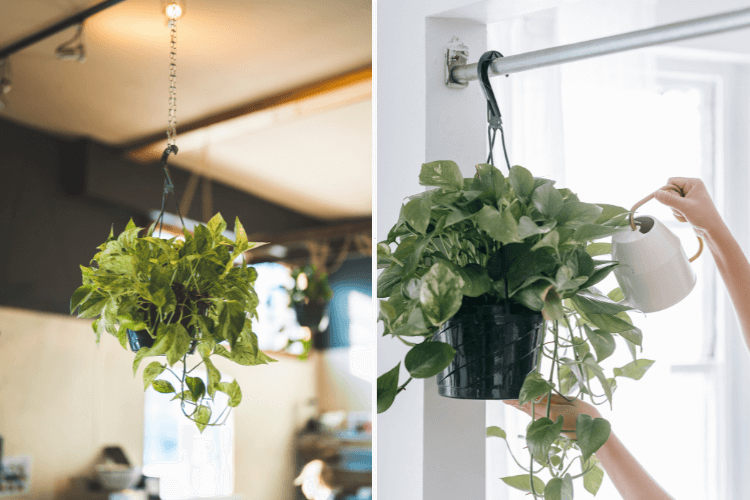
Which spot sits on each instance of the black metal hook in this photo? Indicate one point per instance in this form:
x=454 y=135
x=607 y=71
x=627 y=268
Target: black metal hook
x=168 y=185
x=493 y=110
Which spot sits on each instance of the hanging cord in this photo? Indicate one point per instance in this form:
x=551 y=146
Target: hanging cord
x=494 y=118
x=494 y=123
x=172 y=118
x=171 y=130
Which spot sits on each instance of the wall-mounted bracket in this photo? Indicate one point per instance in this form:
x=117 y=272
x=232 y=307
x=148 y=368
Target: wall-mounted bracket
x=456 y=54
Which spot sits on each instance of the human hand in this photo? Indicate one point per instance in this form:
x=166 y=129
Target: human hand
x=568 y=408
x=696 y=207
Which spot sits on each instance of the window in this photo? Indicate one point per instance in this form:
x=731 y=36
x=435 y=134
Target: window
x=626 y=143
x=361 y=358
x=277 y=322
x=190 y=464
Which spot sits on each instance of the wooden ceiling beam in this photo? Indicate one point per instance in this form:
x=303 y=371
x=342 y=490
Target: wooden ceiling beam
x=149 y=148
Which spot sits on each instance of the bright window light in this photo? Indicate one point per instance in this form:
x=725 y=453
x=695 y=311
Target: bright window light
x=189 y=464
x=619 y=146
x=361 y=352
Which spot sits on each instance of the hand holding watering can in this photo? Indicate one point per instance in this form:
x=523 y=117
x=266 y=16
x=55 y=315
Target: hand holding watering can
x=656 y=272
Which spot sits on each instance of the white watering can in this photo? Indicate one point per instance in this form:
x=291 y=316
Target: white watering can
x=656 y=273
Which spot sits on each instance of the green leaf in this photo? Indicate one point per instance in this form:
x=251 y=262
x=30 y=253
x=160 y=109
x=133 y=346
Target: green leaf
x=163 y=386
x=201 y=417
x=551 y=240
x=501 y=227
x=152 y=371
x=540 y=436
x=634 y=336
x=559 y=488
x=231 y=389
x=609 y=323
x=523 y=483
x=217 y=225
x=489 y=178
x=122 y=336
x=387 y=388
x=456 y=215
x=440 y=294
x=476 y=280
x=635 y=369
x=533 y=295
x=603 y=342
x=417 y=214
x=575 y=214
x=495 y=431
x=534 y=386
x=230 y=321
x=522 y=181
x=592 y=480
x=527 y=227
x=80 y=295
x=180 y=344
x=609 y=212
x=240 y=235
x=591 y=434
x=588 y=232
x=428 y=359
x=93 y=305
x=445 y=174
x=616 y=295
x=214 y=376
x=591 y=363
x=601 y=271
x=589 y=303
x=388 y=279
x=547 y=200
x=196 y=386
x=567 y=379
x=597 y=249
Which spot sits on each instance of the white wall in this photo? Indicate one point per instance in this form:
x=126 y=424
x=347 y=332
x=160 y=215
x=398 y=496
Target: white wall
x=400 y=111
x=62 y=399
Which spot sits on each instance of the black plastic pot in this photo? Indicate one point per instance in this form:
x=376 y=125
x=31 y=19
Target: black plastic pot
x=310 y=314
x=141 y=338
x=494 y=351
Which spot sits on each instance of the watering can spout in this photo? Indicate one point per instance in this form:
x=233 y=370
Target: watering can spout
x=655 y=272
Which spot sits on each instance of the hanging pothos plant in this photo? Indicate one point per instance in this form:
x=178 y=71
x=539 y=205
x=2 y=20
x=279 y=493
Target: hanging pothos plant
x=310 y=295
x=172 y=298
x=310 y=286
x=449 y=245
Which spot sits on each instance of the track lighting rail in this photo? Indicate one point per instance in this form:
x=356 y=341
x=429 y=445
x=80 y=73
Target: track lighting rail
x=56 y=28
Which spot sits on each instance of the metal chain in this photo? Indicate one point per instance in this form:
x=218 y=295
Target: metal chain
x=172 y=117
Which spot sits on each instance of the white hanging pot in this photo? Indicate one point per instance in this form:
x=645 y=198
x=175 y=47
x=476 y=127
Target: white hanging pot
x=656 y=273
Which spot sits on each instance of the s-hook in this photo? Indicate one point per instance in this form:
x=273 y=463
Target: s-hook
x=168 y=187
x=494 y=119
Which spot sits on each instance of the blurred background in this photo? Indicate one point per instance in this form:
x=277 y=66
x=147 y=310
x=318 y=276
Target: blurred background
x=274 y=127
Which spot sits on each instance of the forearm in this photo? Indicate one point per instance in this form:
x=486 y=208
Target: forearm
x=628 y=476
x=735 y=271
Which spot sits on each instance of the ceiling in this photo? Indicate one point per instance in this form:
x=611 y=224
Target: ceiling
x=229 y=54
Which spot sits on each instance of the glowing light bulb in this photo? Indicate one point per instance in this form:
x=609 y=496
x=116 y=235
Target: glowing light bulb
x=173 y=11
x=302 y=281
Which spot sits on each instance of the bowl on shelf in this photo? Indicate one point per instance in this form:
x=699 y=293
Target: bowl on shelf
x=115 y=477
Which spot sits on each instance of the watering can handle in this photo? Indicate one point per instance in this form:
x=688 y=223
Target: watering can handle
x=679 y=191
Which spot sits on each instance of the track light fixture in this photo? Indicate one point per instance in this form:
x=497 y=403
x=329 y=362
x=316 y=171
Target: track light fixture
x=73 y=49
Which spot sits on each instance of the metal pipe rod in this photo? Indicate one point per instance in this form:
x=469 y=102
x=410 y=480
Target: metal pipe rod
x=609 y=45
x=56 y=28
